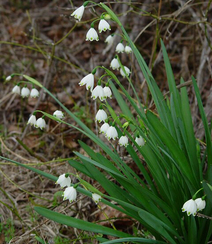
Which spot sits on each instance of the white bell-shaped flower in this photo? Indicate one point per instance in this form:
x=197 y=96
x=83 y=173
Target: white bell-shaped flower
x=58 y=114
x=25 y=92
x=123 y=141
x=16 y=89
x=120 y=48
x=92 y=35
x=103 y=25
x=104 y=128
x=88 y=80
x=8 y=78
x=111 y=133
x=200 y=204
x=127 y=70
x=190 y=207
x=97 y=198
x=140 y=141
x=109 y=40
x=34 y=93
x=98 y=92
x=63 y=181
x=128 y=49
x=101 y=115
x=32 y=120
x=78 y=13
x=114 y=64
x=41 y=123
x=70 y=193
x=107 y=91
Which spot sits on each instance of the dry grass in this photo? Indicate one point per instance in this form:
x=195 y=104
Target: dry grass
x=28 y=30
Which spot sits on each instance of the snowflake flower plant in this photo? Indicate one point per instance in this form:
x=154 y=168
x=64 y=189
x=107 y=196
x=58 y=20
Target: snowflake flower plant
x=25 y=92
x=123 y=141
x=120 y=48
x=97 y=198
x=41 y=123
x=8 y=78
x=58 y=114
x=111 y=133
x=32 y=120
x=92 y=35
x=114 y=64
x=128 y=49
x=200 y=204
x=70 y=194
x=127 y=71
x=190 y=207
x=103 y=25
x=34 y=93
x=88 y=80
x=98 y=92
x=16 y=90
x=109 y=40
x=101 y=115
x=140 y=141
x=104 y=128
x=107 y=91
x=78 y=13
x=63 y=180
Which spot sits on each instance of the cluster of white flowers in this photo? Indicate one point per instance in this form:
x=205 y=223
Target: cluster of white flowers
x=70 y=192
x=92 y=34
x=193 y=206
x=25 y=92
x=120 y=48
x=41 y=123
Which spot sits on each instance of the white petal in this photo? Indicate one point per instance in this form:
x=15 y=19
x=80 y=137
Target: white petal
x=78 y=13
x=92 y=35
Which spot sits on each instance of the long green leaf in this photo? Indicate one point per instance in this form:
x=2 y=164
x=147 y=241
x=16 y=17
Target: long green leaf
x=78 y=223
x=207 y=131
x=134 y=239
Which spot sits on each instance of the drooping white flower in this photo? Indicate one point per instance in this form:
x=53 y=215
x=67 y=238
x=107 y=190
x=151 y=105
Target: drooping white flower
x=34 y=93
x=63 y=181
x=92 y=35
x=70 y=193
x=88 y=80
x=114 y=64
x=128 y=49
x=32 y=120
x=104 y=128
x=96 y=197
x=8 y=78
x=41 y=123
x=103 y=25
x=98 y=92
x=127 y=70
x=120 y=48
x=200 y=204
x=78 y=13
x=190 y=207
x=25 y=92
x=16 y=89
x=109 y=40
x=107 y=91
x=123 y=141
x=101 y=115
x=111 y=133
x=58 y=114
x=140 y=141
